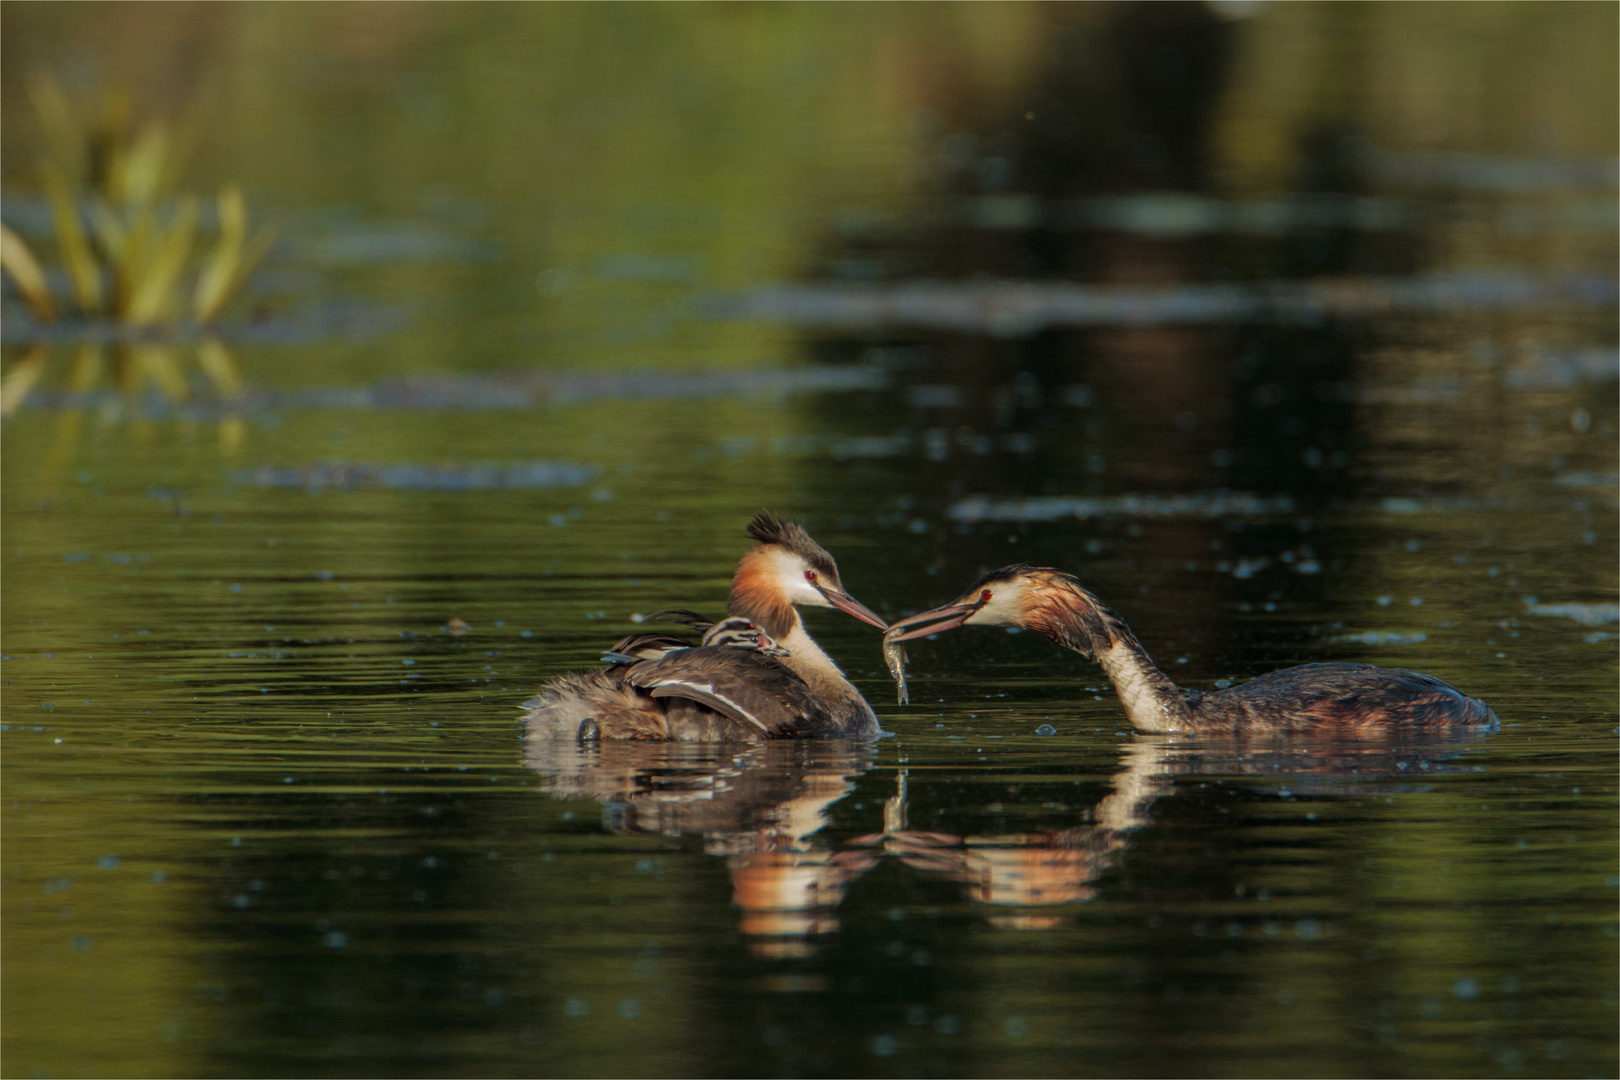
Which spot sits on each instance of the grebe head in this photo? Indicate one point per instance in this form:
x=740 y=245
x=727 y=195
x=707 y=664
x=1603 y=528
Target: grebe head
x=784 y=569
x=1018 y=595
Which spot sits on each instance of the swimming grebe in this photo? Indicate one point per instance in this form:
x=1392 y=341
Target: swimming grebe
x=739 y=685
x=1338 y=697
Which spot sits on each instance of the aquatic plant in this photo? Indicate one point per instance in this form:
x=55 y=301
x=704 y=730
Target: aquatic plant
x=130 y=253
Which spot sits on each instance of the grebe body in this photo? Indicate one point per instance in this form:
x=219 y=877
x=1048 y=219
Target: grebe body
x=1311 y=697
x=757 y=675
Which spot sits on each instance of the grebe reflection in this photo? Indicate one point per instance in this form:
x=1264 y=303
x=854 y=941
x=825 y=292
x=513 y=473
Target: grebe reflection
x=766 y=809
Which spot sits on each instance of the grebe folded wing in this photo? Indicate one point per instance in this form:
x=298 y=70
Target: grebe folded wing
x=645 y=646
x=749 y=688
x=1350 y=695
x=685 y=616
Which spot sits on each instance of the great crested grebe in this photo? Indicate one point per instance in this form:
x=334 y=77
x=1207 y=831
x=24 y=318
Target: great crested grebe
x=1311 y=697
x=758 y=675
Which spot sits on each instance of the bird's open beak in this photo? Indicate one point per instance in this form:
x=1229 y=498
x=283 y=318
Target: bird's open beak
x=948 y=617
x=851 y=606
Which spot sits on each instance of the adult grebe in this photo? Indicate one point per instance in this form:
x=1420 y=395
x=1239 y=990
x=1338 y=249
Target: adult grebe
x=1338 y=697
x=740 y=685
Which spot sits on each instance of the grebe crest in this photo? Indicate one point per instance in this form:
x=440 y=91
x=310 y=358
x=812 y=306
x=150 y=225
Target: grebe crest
x=784 y=568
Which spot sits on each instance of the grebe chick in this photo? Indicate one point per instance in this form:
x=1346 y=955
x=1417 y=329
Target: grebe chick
x=758 y=674
x=735 y=632
x=1311 y=697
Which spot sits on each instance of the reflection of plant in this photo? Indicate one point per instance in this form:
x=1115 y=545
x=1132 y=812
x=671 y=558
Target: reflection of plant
x=129 y=257
x=132 y=368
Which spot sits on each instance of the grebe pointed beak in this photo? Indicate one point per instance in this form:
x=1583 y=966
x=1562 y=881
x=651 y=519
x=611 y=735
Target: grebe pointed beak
x=945 y=617
x=851 y=606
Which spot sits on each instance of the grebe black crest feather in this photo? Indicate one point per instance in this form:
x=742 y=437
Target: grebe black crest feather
x=1013 y=571
x=769 y=528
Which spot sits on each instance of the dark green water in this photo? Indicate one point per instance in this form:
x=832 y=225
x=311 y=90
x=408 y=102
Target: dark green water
x=265 y=815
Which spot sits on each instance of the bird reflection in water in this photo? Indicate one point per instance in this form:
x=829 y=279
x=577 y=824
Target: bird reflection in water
x=759 y=808
x=1032 y=872
x=763 y=809
x=1032 y=876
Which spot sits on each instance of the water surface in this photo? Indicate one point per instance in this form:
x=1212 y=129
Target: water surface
x=1279 y=389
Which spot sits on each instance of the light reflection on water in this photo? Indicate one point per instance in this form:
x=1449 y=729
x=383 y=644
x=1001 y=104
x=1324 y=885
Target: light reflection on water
x=267 y=808
x=335 y=851
x=296 y=811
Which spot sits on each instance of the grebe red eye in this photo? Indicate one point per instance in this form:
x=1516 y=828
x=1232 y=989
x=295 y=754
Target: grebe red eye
x=984 y=597
x=809 y=575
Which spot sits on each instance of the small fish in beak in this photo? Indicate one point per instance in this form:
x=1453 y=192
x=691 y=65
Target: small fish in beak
x=894 y=655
